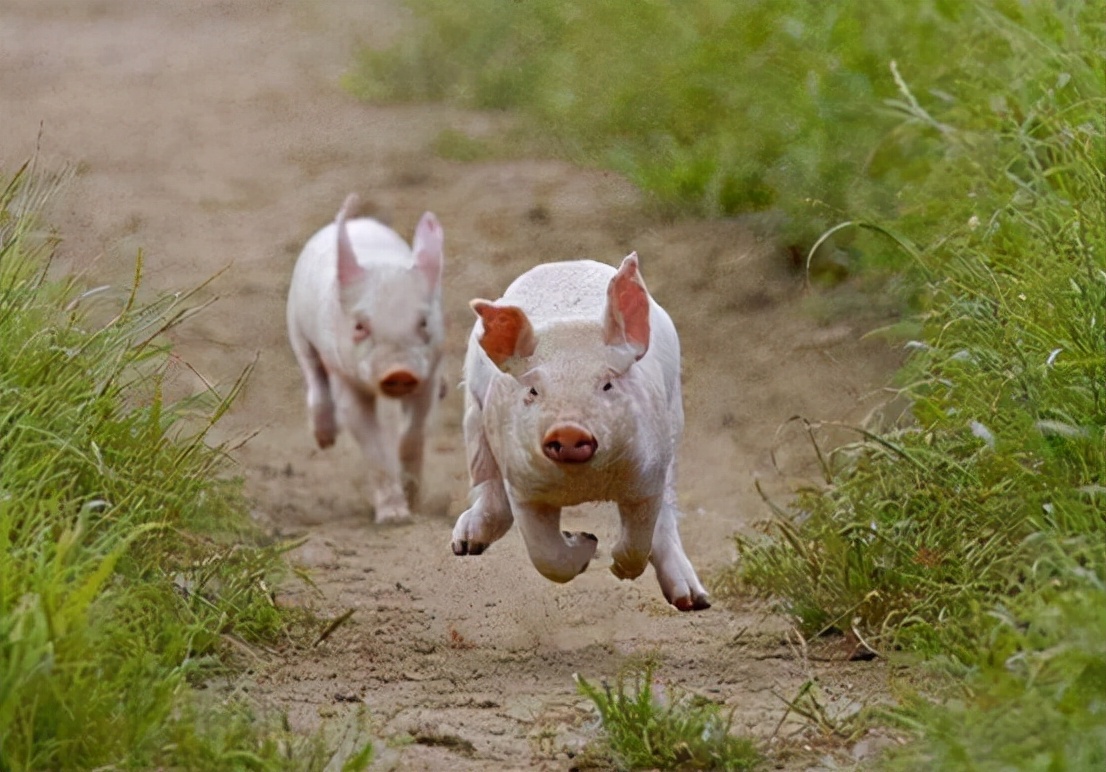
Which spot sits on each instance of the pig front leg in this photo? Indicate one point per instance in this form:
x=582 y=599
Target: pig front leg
x=558 y=555
x=379 y=444
x=413 y=440
x=674 y=571
x=489 y=517
x=320 y=402
x=635 y=543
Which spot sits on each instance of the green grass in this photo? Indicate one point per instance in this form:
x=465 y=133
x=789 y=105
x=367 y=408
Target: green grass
x=1034 y=697
x=647 y=727
x=974 y=533
x=127 y=561
x=715 y=107
x=922 y=528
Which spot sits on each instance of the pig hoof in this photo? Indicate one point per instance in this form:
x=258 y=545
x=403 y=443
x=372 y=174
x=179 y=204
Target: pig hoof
x=622 y=573
x=324 y=439
x=390 y=516
x=464 y=547
x=584 y=534
x=697 y=603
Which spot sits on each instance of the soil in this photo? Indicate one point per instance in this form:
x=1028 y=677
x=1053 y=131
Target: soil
x=214 y=134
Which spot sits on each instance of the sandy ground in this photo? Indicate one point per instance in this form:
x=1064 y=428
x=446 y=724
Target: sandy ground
x=214 y=133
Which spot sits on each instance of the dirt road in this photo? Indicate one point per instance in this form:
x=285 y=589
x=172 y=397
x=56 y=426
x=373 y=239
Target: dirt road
x=214 y=133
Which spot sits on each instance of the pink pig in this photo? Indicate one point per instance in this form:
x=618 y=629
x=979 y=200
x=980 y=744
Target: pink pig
x=365 y=323
x=573 y=395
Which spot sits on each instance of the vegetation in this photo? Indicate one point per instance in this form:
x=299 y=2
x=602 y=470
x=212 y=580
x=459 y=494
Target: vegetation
x=975 y=531
x=963 y=141
x=648 y=727
x=127 y=562
x=712 y=107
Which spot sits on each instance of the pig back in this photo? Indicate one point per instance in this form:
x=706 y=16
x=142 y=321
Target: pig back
x=575 y=290
x=570 y=290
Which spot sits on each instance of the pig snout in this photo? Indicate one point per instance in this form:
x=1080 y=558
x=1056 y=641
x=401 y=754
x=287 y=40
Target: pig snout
x=569 y=444
x=398 y=383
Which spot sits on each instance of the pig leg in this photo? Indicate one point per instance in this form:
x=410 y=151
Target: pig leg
x=320 y=402
x=631 y=553
x=489 y=517
x=378 y=441
x=674 y=571
x=558 y=555
x=413 y=440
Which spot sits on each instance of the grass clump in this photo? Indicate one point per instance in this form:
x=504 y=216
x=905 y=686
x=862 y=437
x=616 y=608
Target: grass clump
x=649 y=727
x=127 y=562
x=1033 y=698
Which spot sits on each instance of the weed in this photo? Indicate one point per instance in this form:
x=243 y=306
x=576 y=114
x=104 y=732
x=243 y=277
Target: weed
x=651 y=727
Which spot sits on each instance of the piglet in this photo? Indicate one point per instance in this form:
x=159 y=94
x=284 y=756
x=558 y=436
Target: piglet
x=365 y=323
x=572 y=394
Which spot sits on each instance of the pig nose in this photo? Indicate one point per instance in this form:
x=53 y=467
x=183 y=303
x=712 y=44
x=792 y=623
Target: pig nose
x=398 y=383
x=569 y=444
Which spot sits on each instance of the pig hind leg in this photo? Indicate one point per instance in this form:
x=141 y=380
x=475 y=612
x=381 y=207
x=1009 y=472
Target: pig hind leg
x=675 y=573
x=489 y=517
x=320 y=401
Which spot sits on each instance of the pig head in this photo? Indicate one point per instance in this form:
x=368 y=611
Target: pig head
x=365 y=323
x=573 y=395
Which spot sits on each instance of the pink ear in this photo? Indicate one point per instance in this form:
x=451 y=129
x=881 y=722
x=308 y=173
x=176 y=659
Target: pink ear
x=626 y=320
x=349 y=270
x=428 y=249
x=507 y=331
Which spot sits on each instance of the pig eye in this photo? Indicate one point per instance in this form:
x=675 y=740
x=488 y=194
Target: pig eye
x=533 y=392
x=360 y=330
x=607 y=386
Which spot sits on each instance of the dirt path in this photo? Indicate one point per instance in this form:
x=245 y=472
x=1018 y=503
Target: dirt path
x=213 y=133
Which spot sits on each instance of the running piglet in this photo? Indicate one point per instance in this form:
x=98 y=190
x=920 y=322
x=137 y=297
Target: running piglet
x=365 y=323
x=572 y=394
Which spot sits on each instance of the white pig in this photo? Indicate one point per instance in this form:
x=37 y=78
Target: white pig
x=365 y=323
x=573 y=395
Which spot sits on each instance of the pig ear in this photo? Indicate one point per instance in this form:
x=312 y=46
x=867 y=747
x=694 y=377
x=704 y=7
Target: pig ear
x=428 y=249
x=507 y=332
x=349 y=270
x=626 y=319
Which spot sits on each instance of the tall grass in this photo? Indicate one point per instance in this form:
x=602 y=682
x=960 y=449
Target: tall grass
x=712 y=107
x=127 y=564
x=975 y=532
x=1004 y=457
